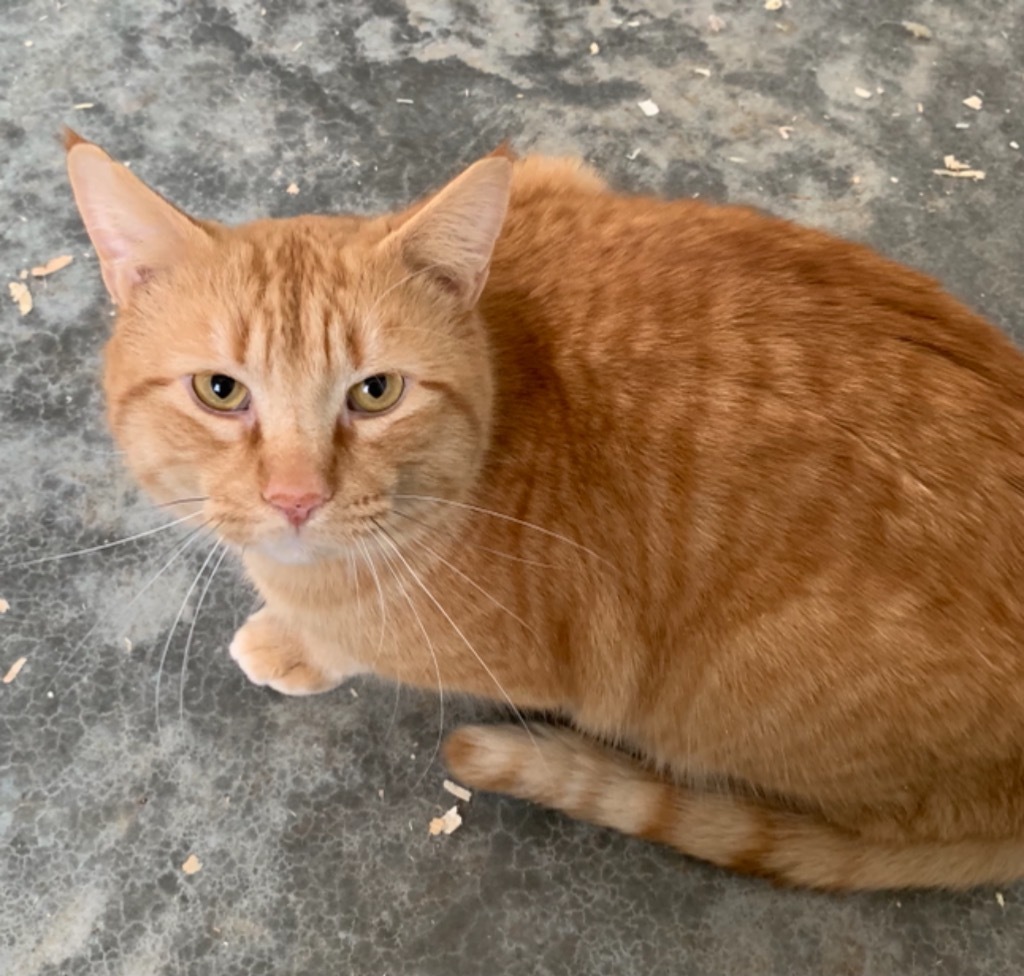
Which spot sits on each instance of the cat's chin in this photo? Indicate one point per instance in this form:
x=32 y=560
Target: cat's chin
x=288 y=550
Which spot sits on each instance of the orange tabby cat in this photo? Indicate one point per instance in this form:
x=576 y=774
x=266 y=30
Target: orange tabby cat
x=740 y=502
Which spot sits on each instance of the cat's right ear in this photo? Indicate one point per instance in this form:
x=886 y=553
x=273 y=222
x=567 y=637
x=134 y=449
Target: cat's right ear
x=135 y=231
x=452 y=236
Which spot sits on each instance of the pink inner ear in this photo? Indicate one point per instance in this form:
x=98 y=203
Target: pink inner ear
x=457 y=229
x=134 y=230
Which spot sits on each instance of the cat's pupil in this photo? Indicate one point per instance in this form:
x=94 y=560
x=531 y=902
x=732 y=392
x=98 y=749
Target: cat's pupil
x=376 y=386
x=222 y=386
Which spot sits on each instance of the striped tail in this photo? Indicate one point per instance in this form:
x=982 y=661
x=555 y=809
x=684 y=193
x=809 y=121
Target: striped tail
x=564 y=770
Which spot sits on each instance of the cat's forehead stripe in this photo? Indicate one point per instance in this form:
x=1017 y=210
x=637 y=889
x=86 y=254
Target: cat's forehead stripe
x=294 y=289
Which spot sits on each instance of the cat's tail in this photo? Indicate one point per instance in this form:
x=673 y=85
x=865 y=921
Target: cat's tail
x=564 y=770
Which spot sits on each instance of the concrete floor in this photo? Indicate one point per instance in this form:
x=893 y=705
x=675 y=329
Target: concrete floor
x=309 y=817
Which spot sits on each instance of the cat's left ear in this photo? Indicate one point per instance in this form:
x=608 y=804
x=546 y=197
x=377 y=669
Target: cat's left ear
x=452 y=236
x=135 y=231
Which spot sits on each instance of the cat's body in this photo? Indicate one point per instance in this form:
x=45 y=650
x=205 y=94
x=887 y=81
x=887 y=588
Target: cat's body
x=740 y=498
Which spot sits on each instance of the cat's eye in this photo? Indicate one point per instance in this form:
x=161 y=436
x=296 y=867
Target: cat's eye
x=376 y=393
x=219 y=392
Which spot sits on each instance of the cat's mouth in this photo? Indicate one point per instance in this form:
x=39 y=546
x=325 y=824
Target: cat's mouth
x=317 y=541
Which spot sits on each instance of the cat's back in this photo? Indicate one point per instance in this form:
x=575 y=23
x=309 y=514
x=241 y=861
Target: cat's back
x=769 y=368
x=595 y=254
x=734 y=296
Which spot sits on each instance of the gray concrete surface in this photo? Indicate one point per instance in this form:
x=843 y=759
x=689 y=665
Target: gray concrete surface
x=309 y=817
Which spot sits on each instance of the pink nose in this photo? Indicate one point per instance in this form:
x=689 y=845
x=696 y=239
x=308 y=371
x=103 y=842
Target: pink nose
x=296 y=506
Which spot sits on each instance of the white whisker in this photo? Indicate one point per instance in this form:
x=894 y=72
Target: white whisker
x=174 y=627
x=433 y=657
x=365 y=547
x=465 y=640
x=192 y=629
x=455 y=569
x=473 y=545
x=506 y=518
x=380 y=592
x=183 y=501
x=177 y=549
x=107 y=545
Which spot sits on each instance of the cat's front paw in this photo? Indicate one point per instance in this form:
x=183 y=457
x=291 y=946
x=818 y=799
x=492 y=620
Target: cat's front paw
x=271 y=655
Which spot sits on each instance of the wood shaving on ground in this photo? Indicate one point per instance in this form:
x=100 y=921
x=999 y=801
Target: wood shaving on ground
x=292 y=188
x=4 y=605
x=916 y=30
x=192 y=864
x=460 y=792
x=15 y=669
x=54 y=264
x=862 y=92
x=772 y=4
x=21 y=296
x=127 y=646
x=82 y=106
x=23 y=273
x=447 y=823
x=973 y=102
x=703 y=72
x=785 y=131
x=715 y=24
x=959 y=170
x=1000 y=900
x=951 y=162
x=648 y=107
x=595 y=48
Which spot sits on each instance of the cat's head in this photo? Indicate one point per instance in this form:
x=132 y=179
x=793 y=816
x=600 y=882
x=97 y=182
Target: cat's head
x=295 y=376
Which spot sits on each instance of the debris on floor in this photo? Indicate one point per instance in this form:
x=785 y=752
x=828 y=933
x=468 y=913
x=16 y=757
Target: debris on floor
x=715 y=24
x=917 y=31
x=54 y=264
x=862 y=92
x=293 y=188
x=595 y=48
x=959 y=170
x=447 y=823
x=192 y=864
x=14 y=670
x=648 y=107
x=21 y=296
x=772 y=4
x=973 y=102
x=4 y=605
x=460 y=792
